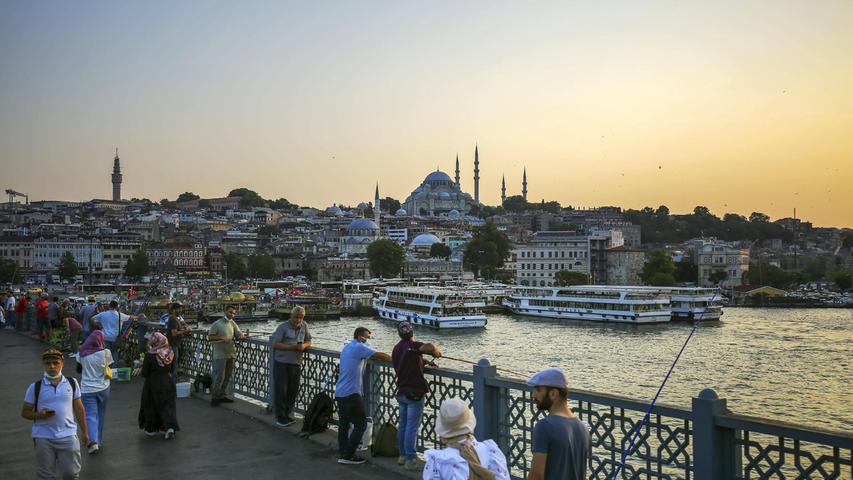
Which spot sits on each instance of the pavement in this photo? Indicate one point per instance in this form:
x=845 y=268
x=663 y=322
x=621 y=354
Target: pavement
x=235 y=441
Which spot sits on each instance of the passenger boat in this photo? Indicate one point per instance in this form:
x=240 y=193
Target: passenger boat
x=317 y=307
x=591 y=303
x=435 y=307
x=695 y=303
x=248 y=309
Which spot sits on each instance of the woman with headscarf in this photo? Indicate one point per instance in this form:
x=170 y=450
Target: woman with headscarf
x=95 y=386
x=158 y=412
x=464 y=458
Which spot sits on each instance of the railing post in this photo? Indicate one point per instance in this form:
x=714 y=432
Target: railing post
x=713 y=447
x=271 y=379
x=486 y=402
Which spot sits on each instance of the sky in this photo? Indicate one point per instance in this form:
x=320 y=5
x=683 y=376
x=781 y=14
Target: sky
x=737 y=106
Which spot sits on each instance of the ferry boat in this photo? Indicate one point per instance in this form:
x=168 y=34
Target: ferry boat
x=435 y=307
x=590 y=303
x=695 y=303
x=317 y=307
x=248 y=309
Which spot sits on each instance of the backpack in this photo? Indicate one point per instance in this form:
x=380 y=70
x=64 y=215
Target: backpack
x=37 y=391
x=385 y=442
x=318 y=415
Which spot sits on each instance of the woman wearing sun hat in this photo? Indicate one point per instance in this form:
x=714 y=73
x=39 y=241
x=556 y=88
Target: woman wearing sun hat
x=464 y=458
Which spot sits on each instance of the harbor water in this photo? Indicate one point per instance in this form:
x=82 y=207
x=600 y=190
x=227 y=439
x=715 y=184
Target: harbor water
x=793 y=365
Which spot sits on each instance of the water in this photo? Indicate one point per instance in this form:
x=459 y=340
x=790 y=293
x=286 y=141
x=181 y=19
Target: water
x=791 y=365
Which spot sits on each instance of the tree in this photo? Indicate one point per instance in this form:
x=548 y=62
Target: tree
x=486 y=251
x=248 y=198
x=567 y=278
x=386 y=258
x=758 y=217
x=844 y=280
x=236 y=266
x=516 y=204
x=165 y=203
x=67 y=266
x=390 y=205
x=717 y=276
x=261 y=266
x=659 y=269
x=137 y=265
x=439 y=250
x=204 y=203
x=766 y=274
x=283 y=204
x=186 y=197
x=847 y=242
x=9 y=272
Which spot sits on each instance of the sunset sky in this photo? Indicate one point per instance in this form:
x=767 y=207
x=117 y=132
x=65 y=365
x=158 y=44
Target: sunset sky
x=738 y=106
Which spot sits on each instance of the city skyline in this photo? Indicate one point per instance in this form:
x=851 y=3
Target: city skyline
x=739 y=108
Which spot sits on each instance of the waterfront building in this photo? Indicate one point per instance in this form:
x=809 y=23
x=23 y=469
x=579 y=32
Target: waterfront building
x=549 y=252
x=334 y=269
x=117 y=250
x=712 y=256
x=599 y=241
x=18 y=249
x=437 y=268
x=181 y=252
x=47 y=252
x=624 y=265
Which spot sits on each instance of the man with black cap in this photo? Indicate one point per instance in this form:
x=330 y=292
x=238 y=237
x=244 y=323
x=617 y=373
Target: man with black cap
x=408 y=361
x=52 y=403
x=561 y=442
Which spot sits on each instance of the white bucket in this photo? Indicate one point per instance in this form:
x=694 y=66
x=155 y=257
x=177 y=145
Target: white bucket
x=183 y=389
x=366 y=438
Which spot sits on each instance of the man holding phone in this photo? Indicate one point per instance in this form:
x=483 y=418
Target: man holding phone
x=52 y=403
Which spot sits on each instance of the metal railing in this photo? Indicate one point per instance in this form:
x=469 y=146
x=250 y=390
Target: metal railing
x=705 y=442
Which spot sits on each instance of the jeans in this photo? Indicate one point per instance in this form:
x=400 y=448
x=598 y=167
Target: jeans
x=222 y=370
x=57 y=458
x=350 y=412
x=411 y=412
x=95 y=404
x=286 y=377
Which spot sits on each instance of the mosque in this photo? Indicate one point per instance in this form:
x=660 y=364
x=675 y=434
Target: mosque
x=438 y=194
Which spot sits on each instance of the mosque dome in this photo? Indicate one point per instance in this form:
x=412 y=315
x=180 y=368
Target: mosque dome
x=437 y=178
x=401 y=212
x=454 y=214
x=334 y=210
x=363 y=206
x=362 y=224
x=425 y=240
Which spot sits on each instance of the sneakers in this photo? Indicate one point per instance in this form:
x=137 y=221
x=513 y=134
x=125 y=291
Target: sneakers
x=401 y=460
x=151 y=434
x=351 y=460
x=170 y=434
x=226 y=400
x=414 y=465
x=93 y=447
x=285 y=422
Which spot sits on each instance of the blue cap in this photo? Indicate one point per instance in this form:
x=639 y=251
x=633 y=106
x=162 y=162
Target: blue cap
x=550 y=377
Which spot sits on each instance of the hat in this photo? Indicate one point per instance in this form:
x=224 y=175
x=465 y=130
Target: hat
x=405 y=329
x=91 y=298
x=51 y=353
x=454 y=418
x=550 y=377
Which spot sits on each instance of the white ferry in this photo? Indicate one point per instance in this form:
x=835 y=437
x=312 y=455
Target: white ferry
x=591 y=303
x=434 y=307
x=695 y=303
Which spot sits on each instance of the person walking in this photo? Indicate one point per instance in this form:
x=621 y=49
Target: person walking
x=158 y=409
x=52 y=403
x=412 y=387
x=349 y=393
x=10 y=310
x=464 y=458
x=94 y=360
x=289 y=340
x=561 y=443
x=221 y=335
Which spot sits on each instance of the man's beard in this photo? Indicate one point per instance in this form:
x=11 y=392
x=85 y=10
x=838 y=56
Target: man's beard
x=544 y=404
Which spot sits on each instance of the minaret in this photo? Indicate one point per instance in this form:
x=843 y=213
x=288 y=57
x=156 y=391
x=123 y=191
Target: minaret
x=476 y=175
x=524 y=185
x=116 y=178
x=457 y=170
x=376 y=206
x=503 y=189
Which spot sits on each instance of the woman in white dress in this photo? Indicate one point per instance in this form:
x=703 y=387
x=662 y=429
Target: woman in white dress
x=464 y=457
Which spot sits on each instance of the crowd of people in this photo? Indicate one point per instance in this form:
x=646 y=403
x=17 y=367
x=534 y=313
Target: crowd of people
x=561 y=441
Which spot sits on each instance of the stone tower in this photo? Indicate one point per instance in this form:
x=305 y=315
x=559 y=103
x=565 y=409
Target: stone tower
x=524 y=185
x=503 y=189
x=116 y=178
x=476 y=175
x=457 y=171
x=376 y=206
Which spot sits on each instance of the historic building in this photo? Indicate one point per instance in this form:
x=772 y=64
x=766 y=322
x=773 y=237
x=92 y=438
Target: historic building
x=438 y=194
x=181 y=252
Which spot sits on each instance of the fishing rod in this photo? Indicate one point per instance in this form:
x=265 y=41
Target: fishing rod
x=660 y=389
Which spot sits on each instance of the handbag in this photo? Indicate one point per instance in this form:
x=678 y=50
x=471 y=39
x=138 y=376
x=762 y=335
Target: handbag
x=108 y=372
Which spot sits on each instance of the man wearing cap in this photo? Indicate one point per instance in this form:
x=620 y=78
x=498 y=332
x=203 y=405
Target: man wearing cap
x=57 y=447
x=408 y=360
x=561 y=442
x=349 y=391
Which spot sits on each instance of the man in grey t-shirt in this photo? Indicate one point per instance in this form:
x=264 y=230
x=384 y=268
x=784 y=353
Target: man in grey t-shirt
x=290 y=339
x=561 y=442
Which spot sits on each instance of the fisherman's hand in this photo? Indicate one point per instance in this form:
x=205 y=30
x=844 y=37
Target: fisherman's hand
x=436 y=353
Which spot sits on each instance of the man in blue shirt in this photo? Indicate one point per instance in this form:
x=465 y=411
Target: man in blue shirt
x=111 y=321
x=349 y=391
x=52 y=411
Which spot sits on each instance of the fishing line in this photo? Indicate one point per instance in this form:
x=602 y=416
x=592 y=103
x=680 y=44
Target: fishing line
x=660 y=389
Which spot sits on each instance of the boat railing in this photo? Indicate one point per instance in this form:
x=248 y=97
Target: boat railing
x=703 y=442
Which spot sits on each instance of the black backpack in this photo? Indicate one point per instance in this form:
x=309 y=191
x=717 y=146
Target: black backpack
x=318 y=415
x=37 y=391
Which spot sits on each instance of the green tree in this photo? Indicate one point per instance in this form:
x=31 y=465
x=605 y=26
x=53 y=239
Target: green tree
x=659 y=269
x=486 y=251
x=516 y=204
x=166 y=203
x=186 y=197
x=9 y=272
x=766 y=274
x=137 y=265
x=439 y=250
x=236 y=265
x=686 y=270
x=204 y=203
x=261 y=266
x=390 y=205
x=844 y=280
x=67 y=266
x=248 y=198
x=283 y=204
x=386 y=258
x=847 y=241
x=717 y=276
x=567 y=278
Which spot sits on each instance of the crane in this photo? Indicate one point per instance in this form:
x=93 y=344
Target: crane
x=12 y=194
